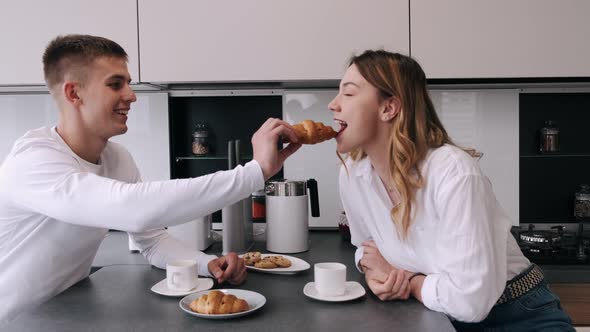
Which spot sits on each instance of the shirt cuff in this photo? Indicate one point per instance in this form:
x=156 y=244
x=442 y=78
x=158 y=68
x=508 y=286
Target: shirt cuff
x=429 y=293
x=202 y=265
x=253 y=167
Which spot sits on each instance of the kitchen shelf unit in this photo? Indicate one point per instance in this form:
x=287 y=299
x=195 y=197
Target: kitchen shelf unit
x=548 y=182
x=227 y=117
x=179 y=159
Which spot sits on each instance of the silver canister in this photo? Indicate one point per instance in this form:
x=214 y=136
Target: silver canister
x=286 y=188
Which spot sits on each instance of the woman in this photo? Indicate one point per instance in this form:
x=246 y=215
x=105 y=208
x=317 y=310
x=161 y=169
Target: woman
x=417 y=202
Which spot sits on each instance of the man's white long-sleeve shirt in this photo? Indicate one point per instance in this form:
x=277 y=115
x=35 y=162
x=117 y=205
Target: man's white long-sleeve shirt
x=56 y=208
x=460 y=236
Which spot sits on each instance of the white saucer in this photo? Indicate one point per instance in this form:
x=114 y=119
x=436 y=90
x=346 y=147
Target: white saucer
x=354 y=290
x=162 y=288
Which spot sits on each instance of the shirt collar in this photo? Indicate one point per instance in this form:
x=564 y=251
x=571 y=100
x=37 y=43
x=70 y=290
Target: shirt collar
x=362 y=168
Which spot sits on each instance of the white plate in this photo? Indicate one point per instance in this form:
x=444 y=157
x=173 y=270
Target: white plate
x=297 y=265
x=162 y=288
x=255 y=301
x=354 y=290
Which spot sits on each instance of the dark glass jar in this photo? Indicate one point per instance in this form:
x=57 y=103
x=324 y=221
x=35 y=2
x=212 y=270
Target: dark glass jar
x=200 y=140
x=259 y=206
x=549 y=140
x=582 y=203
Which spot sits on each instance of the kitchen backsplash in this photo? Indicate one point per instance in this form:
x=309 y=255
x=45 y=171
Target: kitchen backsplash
x=147 y=138
x=487 y=120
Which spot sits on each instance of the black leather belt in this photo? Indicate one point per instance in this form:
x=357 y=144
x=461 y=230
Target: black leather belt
x=522 y=283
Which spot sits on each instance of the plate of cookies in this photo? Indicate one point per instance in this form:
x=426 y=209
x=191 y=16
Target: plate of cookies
x=222 y=303
x=272 y=263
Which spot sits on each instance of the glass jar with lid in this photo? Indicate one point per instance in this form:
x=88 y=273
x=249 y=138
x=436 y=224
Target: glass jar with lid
x=259 y=206
x=582 y=203
x=200 y=140
x=549 y=140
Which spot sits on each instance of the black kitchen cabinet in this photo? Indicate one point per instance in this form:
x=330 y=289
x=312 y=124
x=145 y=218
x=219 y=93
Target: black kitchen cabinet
x=226 y=118
x=548 y=182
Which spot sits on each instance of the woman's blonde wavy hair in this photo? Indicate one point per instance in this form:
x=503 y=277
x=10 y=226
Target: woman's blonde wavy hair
x=415 y=129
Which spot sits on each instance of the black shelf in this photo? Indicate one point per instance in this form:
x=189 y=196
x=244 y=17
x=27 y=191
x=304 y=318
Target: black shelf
x=179 y=159
x=548 y=182
x=558 y=155
x=226 y=118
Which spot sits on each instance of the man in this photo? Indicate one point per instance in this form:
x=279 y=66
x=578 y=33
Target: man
x=62 y=188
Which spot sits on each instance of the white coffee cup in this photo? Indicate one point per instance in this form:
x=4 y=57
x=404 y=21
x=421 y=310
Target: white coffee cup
x=330 y=278
x=181 y=275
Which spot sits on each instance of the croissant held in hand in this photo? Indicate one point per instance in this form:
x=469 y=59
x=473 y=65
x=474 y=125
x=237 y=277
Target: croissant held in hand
x=309 y=132
x=217 y=302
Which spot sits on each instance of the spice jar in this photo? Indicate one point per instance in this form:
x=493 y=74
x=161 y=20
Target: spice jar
x=582 y=203
x=200 y=140
x=549 y=140
x=259 y=206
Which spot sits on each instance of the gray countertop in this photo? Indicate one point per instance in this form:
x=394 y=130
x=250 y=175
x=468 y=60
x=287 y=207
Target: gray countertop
x=118 y=298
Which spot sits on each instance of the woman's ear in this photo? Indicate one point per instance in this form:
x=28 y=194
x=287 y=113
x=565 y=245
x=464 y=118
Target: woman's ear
x=390 y=109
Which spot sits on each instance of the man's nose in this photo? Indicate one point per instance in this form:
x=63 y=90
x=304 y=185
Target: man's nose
x=130 y=95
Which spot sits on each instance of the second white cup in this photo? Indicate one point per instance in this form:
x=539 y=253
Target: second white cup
x=181 y=275
x=330 y=278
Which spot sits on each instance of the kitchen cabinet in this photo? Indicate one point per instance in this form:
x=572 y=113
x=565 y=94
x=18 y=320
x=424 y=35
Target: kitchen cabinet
x=227 y=115
x=548 y=181
x=574 y=300
x=501 y=39
x=265 y=40
x=29 y=25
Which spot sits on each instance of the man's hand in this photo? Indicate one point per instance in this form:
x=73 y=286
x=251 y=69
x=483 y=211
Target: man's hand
x=228 y=268
x=264 y=144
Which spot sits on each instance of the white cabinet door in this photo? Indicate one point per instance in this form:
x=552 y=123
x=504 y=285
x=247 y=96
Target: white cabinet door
x=263 y=40
x=28 y=25
x=501 y=38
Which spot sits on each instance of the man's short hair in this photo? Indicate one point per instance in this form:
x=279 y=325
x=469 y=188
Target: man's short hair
x=71 y=54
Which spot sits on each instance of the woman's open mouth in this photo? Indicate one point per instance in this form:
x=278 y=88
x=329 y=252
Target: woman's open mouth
x=341 y=125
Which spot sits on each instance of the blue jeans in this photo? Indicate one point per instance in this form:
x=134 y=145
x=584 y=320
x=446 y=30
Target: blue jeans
x=538 y=309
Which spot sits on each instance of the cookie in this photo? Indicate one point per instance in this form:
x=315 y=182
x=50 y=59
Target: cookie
x=280 y=261
x=250 y=258
x=266 y=263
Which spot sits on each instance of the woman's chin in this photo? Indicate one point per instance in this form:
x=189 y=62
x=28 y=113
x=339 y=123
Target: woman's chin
x=342 y=149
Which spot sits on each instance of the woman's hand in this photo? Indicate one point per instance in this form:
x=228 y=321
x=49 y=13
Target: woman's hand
x=394 y=287
x=230 y=268
x=373 y=260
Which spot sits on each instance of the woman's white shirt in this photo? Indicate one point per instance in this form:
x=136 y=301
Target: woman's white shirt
x=459 y=237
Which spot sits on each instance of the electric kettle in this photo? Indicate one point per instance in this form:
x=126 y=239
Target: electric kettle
x=287 y=214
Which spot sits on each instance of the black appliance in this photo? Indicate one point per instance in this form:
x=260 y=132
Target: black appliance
x=555 y=245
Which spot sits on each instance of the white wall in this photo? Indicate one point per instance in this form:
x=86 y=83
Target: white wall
x=315 y=161
x=147 y=138
x=486 y=120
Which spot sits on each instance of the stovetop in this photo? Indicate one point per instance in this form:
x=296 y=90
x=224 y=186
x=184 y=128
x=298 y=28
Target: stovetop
x=557 y=245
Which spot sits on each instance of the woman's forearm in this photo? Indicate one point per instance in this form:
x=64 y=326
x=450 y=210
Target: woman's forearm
x=416 y=286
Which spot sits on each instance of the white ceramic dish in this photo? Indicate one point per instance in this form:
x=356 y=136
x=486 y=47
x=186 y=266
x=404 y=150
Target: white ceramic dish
x=255 y=301
x=354 y=290
x=297 y=265
x=162 y=288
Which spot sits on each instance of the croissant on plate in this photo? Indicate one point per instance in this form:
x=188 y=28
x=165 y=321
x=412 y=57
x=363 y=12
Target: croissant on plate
x=217 y=302
x=310 y=132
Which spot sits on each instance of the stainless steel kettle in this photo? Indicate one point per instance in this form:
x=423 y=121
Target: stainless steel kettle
x=287 y=214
